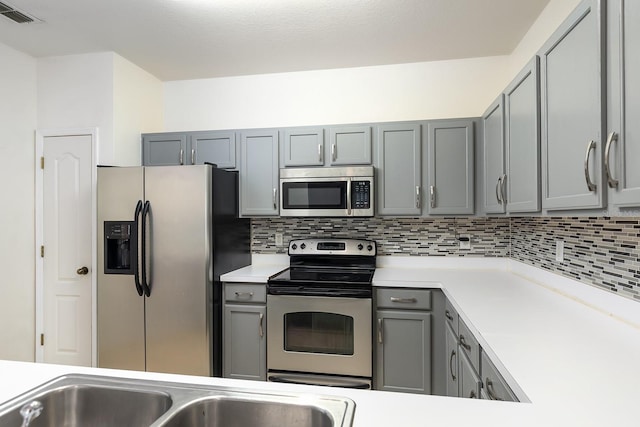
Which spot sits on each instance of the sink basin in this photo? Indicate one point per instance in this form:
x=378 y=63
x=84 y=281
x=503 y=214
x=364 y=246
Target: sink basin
x=234 y=412
x=86 y=400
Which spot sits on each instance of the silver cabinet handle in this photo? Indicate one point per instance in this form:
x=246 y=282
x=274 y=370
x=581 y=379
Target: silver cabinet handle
x=244 y=294
x=498 y=190
x=453 y=375
x=193 y=156
x=380 y=331
x=261 y=330
x=490 y=392
x=448 y=315
x=590 y=185
x=275 y=194
x=404 y=300
x=333 y=152
x=181 y=156
x=417 y=196
x=432 y=196
x=349 y=197
x=613 y=137
x=503 y=189
x=320 y=153
x=464 y=344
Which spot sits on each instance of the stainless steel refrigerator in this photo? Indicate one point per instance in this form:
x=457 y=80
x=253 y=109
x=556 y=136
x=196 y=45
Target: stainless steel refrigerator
x=165 y=235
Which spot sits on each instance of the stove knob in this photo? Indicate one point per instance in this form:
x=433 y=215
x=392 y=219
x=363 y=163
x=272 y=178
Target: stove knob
x=360 y=246
x=369 y=247
x=294 y=246
x=302 y=246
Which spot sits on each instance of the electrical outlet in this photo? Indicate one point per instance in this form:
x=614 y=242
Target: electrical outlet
x=560 y=250
x=278 y=238
x=465 y=241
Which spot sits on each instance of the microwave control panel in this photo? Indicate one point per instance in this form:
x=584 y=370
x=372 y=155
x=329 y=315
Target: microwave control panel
x=360 y=194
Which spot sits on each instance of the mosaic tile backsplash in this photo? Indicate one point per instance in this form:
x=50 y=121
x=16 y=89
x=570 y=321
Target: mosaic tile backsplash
x=603 y=252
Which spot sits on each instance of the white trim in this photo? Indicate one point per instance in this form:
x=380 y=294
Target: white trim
x=39 y=192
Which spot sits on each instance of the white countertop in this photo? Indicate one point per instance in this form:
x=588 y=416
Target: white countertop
x=570 y=350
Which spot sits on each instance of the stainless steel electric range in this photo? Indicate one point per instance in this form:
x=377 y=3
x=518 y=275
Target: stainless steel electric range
x=319 y=314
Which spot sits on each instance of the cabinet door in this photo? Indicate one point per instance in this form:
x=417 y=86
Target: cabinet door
x=451 y=167
x=522 y=120
x=398 y=170
x=164 y=149
x=404 y=351
x=493 y=159
x=245 y=342
x=469 y=381
x=350 y=145
x=213 y=147
x=623 y=142
x=303 y=147
x=259 y=173
x=572 y=83
x=451 y=342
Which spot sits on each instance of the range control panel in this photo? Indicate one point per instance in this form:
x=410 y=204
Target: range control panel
x=332 y=247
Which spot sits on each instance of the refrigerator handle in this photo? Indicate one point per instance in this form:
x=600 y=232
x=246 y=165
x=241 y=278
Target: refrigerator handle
x=136 y=269
x=146 y=286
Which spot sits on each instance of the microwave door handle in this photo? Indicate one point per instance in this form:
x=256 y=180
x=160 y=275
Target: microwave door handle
x=348 y=197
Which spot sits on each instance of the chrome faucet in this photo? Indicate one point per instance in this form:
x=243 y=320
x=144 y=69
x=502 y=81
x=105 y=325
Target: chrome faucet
x=30 y=411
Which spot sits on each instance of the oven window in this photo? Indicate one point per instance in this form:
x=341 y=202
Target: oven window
x=318 y=332
x=315 y=195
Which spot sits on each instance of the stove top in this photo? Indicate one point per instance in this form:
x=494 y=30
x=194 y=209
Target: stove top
x=328 y=275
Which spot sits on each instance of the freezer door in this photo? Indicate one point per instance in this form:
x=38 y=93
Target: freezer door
x=178 y=310
x=120 y=321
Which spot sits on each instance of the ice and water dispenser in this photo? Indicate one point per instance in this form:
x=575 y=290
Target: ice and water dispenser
x=120 y=247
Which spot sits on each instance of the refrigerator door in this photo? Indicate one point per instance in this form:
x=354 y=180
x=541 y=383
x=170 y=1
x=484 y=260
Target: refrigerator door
x=120 y=322
x=179 y=270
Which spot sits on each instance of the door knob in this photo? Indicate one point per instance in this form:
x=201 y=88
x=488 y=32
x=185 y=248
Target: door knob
x=82 y=271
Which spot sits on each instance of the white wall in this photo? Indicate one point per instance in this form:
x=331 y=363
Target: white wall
x=425 y=90
x=76 y=91
x=138 y=108
x=17 y=267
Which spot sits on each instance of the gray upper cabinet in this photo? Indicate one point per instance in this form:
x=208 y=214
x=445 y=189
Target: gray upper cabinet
x=303 y=147
x=450 y=159
x=572 y=84
x=399 y=169
x=522 y=141
x=493 y=159
x=622 y=150
x=350 y=145
x=259 y=173
x=218 y=147
x=164 y=149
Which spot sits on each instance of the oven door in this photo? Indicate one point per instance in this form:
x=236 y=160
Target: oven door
x=319 y=335
x=315 y=197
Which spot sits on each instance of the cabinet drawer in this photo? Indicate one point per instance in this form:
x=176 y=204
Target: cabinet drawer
x=493 y=385
x=451 y=315
x=469 y=345
x=245 y=292
x=408 y=299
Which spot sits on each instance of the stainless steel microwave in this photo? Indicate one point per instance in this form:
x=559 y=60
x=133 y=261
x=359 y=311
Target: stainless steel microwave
x=339 y=192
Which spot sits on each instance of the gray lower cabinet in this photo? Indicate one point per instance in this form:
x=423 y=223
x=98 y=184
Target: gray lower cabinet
x=303 y=147
x=450 y=170
x=259 y=173
x=573 y=76
x=494 y=387
x=493 y=157
x=164 y=149
x=622 y=149
x=398 y=165
x=244 y=331
x=522 y=141
x=403 y=351
x=469 y=381
x=350 y=145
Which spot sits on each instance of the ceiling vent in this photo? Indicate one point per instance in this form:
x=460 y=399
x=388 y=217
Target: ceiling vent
x=16 y=15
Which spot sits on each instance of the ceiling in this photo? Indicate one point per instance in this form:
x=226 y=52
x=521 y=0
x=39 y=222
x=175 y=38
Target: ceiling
x=187 y=39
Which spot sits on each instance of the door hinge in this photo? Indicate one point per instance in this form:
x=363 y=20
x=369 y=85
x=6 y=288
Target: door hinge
x=41 y=339
x=42 y=162
x=42 y=251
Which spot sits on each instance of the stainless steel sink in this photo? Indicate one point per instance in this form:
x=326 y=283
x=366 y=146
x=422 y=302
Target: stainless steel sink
x=85 y=400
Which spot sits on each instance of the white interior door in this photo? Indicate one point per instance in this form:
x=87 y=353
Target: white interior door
x=67 y=261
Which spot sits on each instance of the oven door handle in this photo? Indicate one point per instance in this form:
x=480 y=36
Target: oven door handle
x=346 y=384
